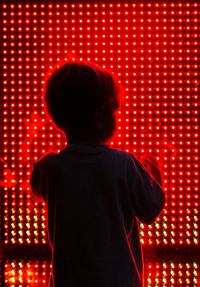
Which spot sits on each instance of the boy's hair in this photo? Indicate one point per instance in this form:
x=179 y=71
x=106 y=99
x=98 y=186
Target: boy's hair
x=82 y=98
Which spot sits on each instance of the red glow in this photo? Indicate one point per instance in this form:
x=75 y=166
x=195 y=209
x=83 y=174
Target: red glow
x=152 y=49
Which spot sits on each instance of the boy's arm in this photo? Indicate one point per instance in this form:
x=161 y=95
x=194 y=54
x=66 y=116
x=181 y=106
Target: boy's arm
x=37 y=182
x=147 y=195
x=152 y=166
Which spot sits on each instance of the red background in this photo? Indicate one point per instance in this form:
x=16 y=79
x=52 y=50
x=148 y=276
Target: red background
x=153 y=48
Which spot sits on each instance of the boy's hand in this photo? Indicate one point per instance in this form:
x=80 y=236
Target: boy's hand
x=152 y=166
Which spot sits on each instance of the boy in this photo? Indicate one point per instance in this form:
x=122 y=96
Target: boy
x=95 y=194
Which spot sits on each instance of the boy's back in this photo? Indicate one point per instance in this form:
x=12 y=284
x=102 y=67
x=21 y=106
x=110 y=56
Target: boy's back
x=93 y=194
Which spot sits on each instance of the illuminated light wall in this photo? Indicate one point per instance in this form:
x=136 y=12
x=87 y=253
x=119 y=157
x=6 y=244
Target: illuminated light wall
x=153 y=48
x=27 y=273
x=158 y=273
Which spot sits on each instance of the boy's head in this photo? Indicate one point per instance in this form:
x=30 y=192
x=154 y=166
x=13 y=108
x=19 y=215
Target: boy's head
x=81 y=98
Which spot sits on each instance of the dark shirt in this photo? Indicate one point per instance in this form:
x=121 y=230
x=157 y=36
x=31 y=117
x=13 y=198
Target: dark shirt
x=95 y=195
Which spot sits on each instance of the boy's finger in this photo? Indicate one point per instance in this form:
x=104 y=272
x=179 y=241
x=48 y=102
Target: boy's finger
x=151 y=162
x=150 y=159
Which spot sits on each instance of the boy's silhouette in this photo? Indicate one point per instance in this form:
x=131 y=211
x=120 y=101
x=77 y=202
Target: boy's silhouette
x=94 y=193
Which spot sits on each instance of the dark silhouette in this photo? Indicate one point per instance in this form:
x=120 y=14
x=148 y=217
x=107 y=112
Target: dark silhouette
x=95 y=194
x=82 y=99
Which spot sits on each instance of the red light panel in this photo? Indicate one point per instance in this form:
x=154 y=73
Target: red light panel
x=29 y=273
x=153 y=47
x=163 y=274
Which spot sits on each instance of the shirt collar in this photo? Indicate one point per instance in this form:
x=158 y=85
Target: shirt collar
x=86 y=148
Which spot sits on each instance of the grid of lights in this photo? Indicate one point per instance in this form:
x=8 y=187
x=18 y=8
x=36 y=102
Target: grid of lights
x=172 y=274
x=157 y=274
x=153 y=49
x=19 y=273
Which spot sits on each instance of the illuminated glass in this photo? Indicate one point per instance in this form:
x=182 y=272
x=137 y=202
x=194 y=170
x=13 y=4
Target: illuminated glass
x=153 y=47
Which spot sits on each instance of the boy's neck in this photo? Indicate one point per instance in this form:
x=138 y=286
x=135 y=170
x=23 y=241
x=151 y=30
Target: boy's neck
x=83 y=141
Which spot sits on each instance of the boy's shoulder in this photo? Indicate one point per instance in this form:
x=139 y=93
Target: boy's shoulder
x=131 y=160
x=126 y=155
x=118 y=151
x=46 y=158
